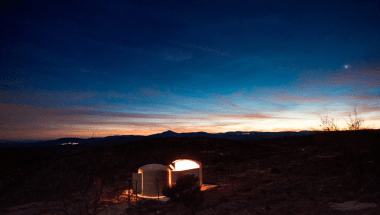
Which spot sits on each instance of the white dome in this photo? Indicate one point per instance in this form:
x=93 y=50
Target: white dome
x=153 y=167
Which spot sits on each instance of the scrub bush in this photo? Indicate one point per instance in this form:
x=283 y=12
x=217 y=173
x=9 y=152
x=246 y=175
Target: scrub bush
x=187 y=191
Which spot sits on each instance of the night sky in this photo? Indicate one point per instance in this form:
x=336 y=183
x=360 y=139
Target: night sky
x=101 y=68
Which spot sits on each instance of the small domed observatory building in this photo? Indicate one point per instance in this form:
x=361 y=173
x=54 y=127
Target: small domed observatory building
x=183 y=167
x=151 y=179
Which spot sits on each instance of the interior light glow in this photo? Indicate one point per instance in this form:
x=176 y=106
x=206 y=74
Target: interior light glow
x=184 y=165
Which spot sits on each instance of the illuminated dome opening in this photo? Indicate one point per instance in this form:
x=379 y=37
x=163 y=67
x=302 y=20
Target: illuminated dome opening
x=180 y=165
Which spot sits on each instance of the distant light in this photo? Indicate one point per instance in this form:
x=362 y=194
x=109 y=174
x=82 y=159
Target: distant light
x=64 y=144
x=346 y=66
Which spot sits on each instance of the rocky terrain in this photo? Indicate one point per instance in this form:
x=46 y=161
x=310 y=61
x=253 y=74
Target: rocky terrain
x=322 y=173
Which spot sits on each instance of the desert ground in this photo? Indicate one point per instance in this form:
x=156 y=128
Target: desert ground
x=323 y=173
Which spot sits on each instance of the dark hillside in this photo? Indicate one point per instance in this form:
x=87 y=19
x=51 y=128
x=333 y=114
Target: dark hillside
x=290 y=175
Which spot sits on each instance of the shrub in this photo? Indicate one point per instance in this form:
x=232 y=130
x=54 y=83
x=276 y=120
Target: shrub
x=328 y=124
x=354 y=123
x=186 y=191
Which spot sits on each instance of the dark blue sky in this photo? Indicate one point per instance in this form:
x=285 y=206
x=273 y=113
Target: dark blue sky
x=84 y=68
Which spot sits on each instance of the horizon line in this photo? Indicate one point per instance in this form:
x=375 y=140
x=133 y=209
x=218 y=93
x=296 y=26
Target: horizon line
x=41 y=140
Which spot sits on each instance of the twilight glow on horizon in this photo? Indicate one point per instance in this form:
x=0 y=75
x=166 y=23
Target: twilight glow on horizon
x=100 y=68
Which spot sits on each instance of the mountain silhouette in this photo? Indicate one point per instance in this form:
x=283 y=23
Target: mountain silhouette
x=233 y=135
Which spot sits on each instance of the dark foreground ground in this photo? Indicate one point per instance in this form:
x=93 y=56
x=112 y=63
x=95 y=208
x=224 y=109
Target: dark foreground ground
x=324 y=173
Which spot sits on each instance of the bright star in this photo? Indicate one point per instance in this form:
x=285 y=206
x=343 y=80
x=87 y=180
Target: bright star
x=346 y=66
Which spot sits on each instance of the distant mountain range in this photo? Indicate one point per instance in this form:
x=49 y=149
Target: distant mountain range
x=237 y=135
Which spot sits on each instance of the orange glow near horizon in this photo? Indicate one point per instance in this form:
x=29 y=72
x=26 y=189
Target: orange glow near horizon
x=40 y=126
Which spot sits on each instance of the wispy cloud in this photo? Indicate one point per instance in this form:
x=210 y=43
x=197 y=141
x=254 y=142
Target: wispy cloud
x=176 y=56
x=362 y=77
x=33 y=122
x=228 y=103
x=245 y=116
x=93 y=72
x=16 y=119
x=149 y=92
x=152 y=109
x=367 y=78
x=211 y=50
x=366 y=97
x=363 y=109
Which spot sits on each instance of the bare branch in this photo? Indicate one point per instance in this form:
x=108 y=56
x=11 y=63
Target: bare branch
x=355 y=122
x=328 y=124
